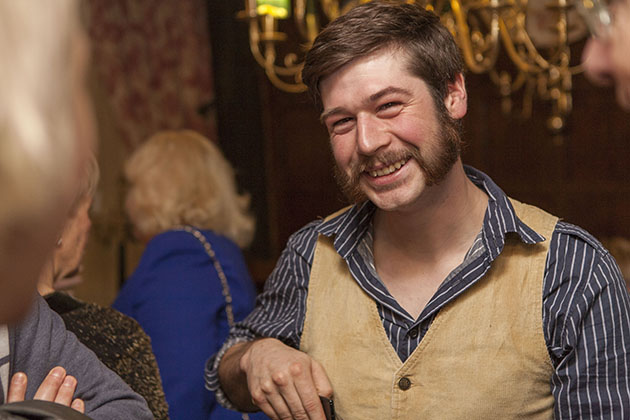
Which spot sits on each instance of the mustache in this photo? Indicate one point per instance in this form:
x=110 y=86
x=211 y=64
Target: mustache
x=349 y=183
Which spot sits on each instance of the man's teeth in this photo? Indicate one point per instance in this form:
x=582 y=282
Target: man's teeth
x=389 y=169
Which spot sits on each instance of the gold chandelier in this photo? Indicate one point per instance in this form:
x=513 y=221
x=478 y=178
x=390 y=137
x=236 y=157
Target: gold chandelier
x=536 y=36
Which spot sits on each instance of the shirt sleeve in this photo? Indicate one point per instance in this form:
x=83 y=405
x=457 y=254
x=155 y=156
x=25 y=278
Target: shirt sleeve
x=588 y=329
x=41 y=342
x=280 y=309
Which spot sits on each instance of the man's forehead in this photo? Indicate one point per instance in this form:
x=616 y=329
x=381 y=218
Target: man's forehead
x=394 y=58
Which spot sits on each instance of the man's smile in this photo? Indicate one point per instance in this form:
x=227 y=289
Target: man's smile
x=386 y=170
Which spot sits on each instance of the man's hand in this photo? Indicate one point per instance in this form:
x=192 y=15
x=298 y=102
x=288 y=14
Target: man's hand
x=283 y=382
x=56 y=387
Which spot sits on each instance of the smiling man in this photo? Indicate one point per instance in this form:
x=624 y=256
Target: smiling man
x=434 y=295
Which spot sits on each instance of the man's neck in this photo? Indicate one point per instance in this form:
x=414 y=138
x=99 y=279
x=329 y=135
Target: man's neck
x=450 y=213
x=415 y=249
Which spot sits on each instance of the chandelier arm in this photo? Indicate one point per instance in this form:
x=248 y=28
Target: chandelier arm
x=463 y=35
x=299 y=13
x=520 y=80
x=563 y=54
x=511 y=86
x=331 y=9
x=516 y=58
x=296 y=87
x=272 y=72
x=577 y=69
x=267 y=60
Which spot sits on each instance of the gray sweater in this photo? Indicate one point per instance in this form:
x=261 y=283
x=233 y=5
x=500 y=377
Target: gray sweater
x=41 y=342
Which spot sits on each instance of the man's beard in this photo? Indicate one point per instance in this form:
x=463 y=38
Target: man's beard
x=435 y=169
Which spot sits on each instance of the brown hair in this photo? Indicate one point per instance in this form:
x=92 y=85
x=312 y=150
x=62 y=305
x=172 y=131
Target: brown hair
x=432 y=53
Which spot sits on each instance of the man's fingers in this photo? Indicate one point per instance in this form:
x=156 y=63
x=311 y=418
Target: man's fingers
x=57 y=387
x=259 y=398
x=307 y=392
x=49 y=388
x=78 y=405
x=281 y=383
x=66 y=391
x=17 y=388
x=321 y=381
x=280 y=407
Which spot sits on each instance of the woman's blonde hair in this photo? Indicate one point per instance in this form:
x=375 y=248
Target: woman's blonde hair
x=181 y=178
x=37 y=125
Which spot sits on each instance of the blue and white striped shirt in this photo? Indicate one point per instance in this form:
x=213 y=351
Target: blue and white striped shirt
x=586 y=308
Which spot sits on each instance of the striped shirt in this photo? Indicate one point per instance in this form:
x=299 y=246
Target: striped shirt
x=586 y=308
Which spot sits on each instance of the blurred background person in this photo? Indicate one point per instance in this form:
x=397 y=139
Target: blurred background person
x=116 y=339
x=606 y=62
x=191 y=282
x=46 y=131
x=605 y=56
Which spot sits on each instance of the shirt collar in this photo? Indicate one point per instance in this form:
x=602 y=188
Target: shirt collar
x=350 y=226
x=500 y=218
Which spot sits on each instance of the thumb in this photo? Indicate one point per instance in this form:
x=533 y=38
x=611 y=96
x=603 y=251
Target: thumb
x=78 y=405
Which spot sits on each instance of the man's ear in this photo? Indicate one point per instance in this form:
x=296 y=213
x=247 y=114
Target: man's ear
x=456 y=99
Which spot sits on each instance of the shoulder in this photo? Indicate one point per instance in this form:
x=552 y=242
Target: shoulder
x=303 y=241
x=109 y=321
x=573 y=239
x=577 y=256
x=62 y=303
x=293 y=266
x=171 y=252
x=109 y=333
x=224 y=247
x=165 y=242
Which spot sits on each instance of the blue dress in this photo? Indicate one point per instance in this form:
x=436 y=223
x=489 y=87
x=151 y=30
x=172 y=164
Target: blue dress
x=176 y=296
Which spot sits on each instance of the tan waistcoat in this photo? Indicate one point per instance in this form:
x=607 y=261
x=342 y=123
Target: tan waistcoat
x=484 y=356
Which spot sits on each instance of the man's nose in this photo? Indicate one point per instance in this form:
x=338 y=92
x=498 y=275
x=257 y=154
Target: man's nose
x=371 y=136
x=597 y=63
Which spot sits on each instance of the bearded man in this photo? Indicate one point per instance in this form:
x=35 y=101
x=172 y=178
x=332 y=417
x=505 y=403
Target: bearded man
x=434 y=295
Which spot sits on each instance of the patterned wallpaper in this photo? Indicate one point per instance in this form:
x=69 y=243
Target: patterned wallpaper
x=154 y=59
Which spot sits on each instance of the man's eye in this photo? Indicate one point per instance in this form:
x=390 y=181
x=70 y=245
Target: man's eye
x=389 y=109
x=341 y=126
x=341 y=122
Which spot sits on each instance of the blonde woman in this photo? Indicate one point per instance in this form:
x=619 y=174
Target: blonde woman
x=183 y=202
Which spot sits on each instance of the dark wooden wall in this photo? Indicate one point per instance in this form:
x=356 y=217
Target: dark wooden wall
x=281 y=151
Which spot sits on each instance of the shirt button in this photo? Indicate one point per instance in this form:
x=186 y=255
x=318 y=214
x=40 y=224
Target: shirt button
x=404 y=384
x=413 y=333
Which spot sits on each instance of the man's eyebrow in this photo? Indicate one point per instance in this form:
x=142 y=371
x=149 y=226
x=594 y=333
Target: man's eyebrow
x=326 y=114
x=388 y=90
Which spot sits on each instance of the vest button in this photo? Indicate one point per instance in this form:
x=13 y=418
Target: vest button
x=404 y=384
x=413 y=333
